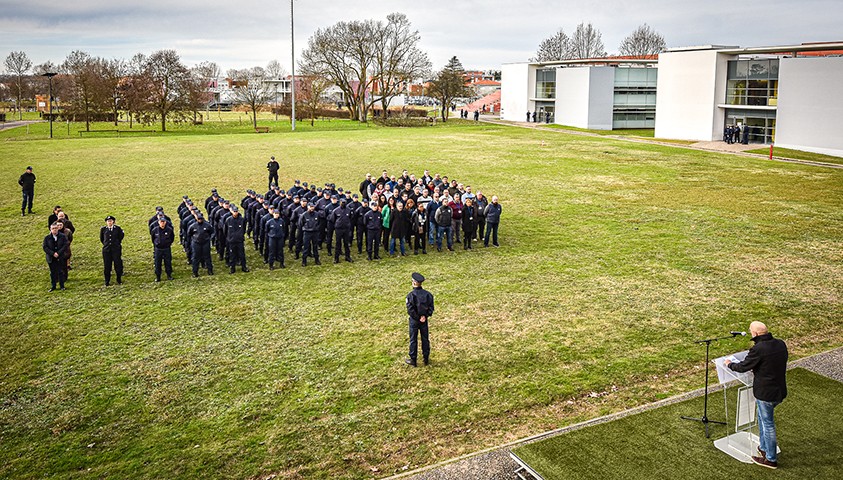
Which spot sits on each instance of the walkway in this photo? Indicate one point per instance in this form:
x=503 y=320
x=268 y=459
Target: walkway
x=496 y=464
x=17 y=123
x=735 y=149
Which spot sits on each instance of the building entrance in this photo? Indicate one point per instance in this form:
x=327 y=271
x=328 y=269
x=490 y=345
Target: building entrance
x=761 y=124
x=545 y=107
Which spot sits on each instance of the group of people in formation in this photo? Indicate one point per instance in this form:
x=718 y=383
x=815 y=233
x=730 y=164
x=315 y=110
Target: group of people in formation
x=387 y=213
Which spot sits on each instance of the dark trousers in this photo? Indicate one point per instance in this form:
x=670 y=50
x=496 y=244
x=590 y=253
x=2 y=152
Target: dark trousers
x=420 y=242
x=293 y=236
x=468 y=236
x=373 y=243
x=491 y=228
x=112 y=258
x=343 y=242
x=385 y=234
x=481 y=228
x=310 y=247
x=275 y=248
x=329 y=236
x=417 y=327
x=26 y=204
x=361 y=233
x=165 y=256
x=201 y=254
x=273 y=177
x=57 y=274
x=236 y=254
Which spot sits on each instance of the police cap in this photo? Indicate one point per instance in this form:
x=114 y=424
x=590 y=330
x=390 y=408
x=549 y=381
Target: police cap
x=109 y=218
x=418 y=277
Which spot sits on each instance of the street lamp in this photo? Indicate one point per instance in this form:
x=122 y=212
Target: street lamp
x=50 y=76
x=293 y=55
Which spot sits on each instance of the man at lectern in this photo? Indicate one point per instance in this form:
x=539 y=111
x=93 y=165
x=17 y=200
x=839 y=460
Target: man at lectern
x=768 y=361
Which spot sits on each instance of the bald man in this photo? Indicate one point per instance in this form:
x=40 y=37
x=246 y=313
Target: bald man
x=768 y=361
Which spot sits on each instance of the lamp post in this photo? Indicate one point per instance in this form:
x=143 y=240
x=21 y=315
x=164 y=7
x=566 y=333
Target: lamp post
x=293 y=55
x=50 y=76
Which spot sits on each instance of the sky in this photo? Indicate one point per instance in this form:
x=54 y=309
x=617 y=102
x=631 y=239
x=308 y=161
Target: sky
x=482 y=34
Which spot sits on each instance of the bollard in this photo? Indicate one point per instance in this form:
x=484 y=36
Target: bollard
x=771 y=151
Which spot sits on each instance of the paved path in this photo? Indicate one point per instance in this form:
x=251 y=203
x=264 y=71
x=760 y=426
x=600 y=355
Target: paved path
x=496 y=464
x=735 y=149
x=17 y=123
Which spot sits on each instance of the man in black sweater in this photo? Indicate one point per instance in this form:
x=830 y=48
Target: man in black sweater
x=768 y=361
x=111 y=237
x=27 y=184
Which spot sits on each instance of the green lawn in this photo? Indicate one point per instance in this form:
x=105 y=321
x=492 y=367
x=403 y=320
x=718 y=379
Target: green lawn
x=798 y=155
x=615 y=256
x=658 y=444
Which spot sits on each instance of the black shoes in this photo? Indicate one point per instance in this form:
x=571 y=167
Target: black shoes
x=336 y=260
x=52 y=289
x=169 y=277
x=245 y=269
x=157 y=279
x=317 y=262
x=427 y=361
x=271 y=267
x=231 y=270
x=410 y=362
x=349 y=260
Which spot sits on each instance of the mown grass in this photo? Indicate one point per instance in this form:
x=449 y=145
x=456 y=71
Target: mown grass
x=659 y=444
x=798 y=155
x=614 y=258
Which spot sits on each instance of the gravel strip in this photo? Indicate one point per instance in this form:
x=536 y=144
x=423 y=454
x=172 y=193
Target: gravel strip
x=496 y=464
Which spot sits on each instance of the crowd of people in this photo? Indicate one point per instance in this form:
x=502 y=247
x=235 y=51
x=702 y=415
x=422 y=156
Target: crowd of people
x=389 y=213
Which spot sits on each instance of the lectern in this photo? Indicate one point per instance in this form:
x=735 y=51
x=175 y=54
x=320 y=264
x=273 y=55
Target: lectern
x=742 y=444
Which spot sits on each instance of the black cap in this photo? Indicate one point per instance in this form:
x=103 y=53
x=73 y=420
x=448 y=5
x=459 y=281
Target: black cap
x=311 y=204
x=418 y=277
x=29 y=168
x=109 y=218
x=272 y=158
x=159 y=209
x=184 y=197
x=334 y=197
x=355 y=196
x=199 y=215
x=234 y=208
x=297 y=182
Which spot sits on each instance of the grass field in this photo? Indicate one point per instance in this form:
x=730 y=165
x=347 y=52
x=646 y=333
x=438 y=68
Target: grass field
x=798 y=155
x=614 y=258
x=658 y=444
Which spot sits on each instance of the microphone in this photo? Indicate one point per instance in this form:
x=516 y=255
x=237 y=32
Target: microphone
x=735 y=334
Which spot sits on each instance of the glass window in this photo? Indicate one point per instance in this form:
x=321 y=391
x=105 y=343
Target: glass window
x=759 y=69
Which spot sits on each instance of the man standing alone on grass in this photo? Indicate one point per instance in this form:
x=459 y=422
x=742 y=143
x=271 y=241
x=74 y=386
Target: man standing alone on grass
x=27 y=184
x=111 y=237
x=419 y=309
x=768 y=361
x=273 y=167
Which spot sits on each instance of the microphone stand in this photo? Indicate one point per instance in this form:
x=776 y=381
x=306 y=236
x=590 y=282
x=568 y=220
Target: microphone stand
x=704 y=419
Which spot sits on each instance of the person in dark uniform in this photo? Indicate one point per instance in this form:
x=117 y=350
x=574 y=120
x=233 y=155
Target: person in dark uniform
x=534 y=117
x=340 y=223
x=476 y=115
x=276 y=229
x=273 y=167
x=528 y=116
x=201 y=234
x=27 y=185
x=111 y=237
x=768 y=361
x=360 y=225
x=235 y=236
x=469 y=223
x=297 y=214
x=374 y=222
x=309 y=223
x=419 y=310
x=162 y=239
x=55 y=245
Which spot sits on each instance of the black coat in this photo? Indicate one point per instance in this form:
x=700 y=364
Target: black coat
x=768 y=361
x=27 y=181
x=419 y=303
x=112 y=240
x=58 y=245
x=400 y=224
x=162 y=238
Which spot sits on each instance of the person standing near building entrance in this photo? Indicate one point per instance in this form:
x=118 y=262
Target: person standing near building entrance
x=768 y=361
x=111 y=237
x=273 y=168
x=27 y=185
x=419 y=310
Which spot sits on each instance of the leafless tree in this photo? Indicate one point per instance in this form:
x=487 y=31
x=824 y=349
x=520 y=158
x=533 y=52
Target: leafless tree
x=113 y=73
x=644 y=42
x=309 y=91
x=449 y=84
x=18 y=64
x=135 y=89
x=169 y=80
x=555 y=47
x=251 y=90
x=88 y=94
x=398 y=60
x=275 y=70
x=587 y=42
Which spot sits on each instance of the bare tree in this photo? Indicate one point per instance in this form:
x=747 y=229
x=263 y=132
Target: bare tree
x=449 y=84
x=18 y=64
x=88 y=94
x=310 y=90
x=250 y=89
x=135 y=87
x=344 y=54
x=398 y=59
x=169 y=80
x=644 y=42
x=555 y=47
x=113 y=73
x=587 y=42
x=274 y=70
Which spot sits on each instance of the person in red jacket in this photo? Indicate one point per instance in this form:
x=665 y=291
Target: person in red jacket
x=768 y=361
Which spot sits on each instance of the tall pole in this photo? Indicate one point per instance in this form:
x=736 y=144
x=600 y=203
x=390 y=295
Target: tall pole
x=293 y=55
x=50 y=76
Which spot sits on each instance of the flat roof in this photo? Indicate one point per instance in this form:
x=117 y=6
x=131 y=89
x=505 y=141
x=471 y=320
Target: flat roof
x=774 y=49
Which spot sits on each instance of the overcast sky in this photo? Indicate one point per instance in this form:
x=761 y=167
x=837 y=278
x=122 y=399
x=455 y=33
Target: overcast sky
x=483 y=34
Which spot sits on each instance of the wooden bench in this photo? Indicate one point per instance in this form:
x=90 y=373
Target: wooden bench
x=118 y=132
x=262 y=129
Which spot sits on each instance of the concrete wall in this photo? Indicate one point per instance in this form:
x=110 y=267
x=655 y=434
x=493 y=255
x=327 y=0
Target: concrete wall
x=690 y=86
x=810 y=106
x=601 y=98
x=584 y=97
x=518 y=83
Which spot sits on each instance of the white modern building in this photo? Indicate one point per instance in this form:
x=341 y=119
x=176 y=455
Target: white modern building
x=599 y=94
x=788 y=95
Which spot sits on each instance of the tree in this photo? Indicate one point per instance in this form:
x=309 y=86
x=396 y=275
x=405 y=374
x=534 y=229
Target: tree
x=88 y=94
x=274 y=70
x=644 y=42
x=250 y=89
x=555 y=47
x=587 y=42
x=398 y=60
x=169 y=81
x=309 y=92
x=449 y=84
x=113 y=73
x=18 y=64
x=135 y=89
